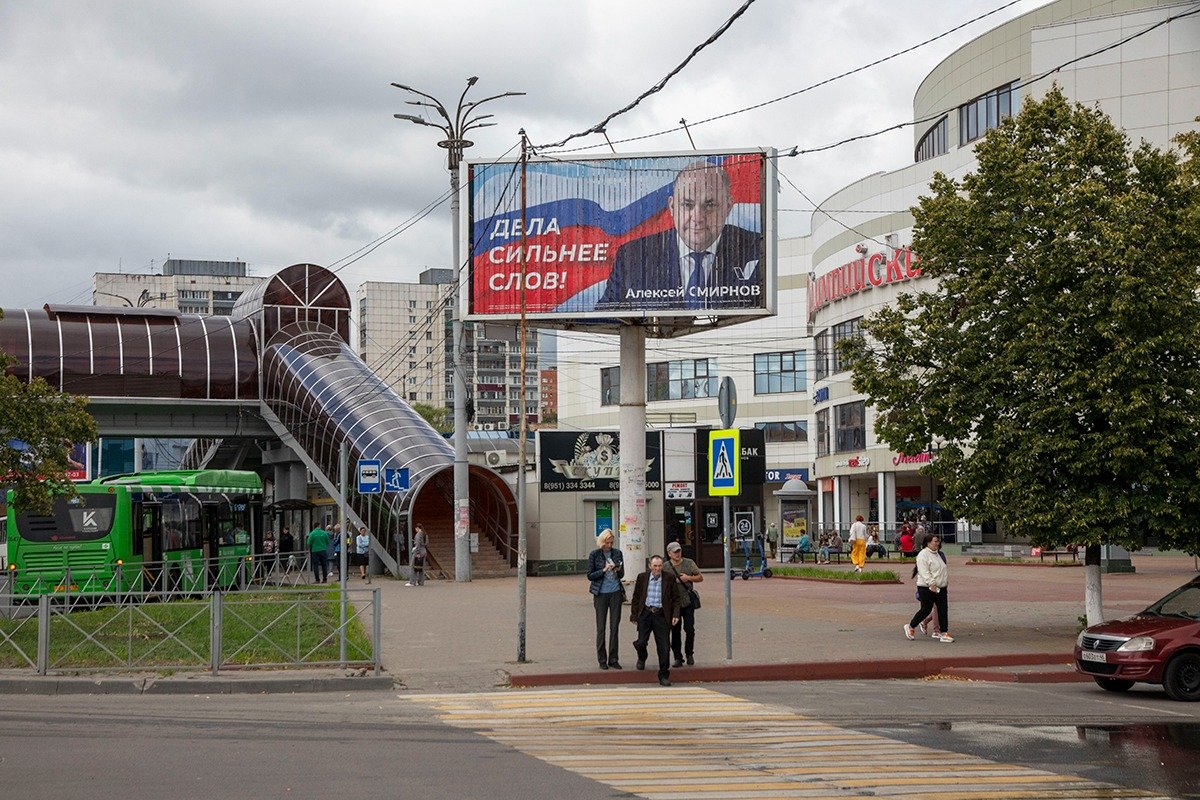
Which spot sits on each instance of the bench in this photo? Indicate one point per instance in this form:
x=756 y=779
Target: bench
x=1074 y=554
x=903 y=553
x=835 y=555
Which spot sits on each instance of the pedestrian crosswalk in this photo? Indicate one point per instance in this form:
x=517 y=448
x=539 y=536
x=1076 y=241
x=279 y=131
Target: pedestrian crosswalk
x=698 y=743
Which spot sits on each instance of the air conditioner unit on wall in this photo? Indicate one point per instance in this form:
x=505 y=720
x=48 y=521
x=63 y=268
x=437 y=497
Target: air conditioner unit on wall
x=495 y=458
x=489 y=426
x=501 y=426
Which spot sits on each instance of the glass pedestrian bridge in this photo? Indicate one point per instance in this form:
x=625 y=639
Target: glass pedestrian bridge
x=285 y=352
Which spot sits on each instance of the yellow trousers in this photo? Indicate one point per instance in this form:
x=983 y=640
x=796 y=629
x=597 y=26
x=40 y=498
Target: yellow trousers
x=858 y=553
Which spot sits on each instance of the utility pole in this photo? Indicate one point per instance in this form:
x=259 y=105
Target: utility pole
x=464 y=121
x=521 y=541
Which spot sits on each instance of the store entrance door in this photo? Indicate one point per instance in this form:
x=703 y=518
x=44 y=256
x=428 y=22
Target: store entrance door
x=711 y=528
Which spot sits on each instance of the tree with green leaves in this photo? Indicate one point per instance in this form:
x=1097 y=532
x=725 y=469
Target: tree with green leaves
x=38 y=427
x=437 y=416
x=1052 y=356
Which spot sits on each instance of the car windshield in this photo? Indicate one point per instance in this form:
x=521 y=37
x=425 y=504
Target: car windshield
x=1183 y=602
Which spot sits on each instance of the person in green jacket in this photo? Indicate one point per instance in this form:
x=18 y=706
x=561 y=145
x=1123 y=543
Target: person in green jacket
x=318 y=544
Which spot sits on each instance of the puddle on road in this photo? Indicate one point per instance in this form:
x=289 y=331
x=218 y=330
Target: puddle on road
x=1158 y=757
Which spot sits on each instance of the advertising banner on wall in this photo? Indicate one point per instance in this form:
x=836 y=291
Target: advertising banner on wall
x=584 y=461
x=687 y=235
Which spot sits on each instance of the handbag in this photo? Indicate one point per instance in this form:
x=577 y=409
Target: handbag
x=695 y=598
x=624 y=596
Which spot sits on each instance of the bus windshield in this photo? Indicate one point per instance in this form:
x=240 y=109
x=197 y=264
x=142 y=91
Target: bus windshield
x=77 y=519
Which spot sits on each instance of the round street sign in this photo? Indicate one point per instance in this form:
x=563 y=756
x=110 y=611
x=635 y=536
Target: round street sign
x=727 y=402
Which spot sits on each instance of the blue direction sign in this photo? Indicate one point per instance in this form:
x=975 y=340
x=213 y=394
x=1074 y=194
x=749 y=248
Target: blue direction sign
x=395 y=479
x=724 y=459
x=370 y=478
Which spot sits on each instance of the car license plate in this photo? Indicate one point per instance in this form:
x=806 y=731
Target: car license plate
x=1098 y=657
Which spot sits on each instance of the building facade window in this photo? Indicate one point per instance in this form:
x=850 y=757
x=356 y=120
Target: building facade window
x=681 y=380
x=842 y=331
x=821 y=356
x=850 y=420
x=784 y=432
x=987 y=111
x=934 y=143
x=610 y=386
x=775 y=373
x=823 y=432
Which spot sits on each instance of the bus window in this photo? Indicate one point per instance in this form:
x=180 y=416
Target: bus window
x=78 y=519
x=180 y=524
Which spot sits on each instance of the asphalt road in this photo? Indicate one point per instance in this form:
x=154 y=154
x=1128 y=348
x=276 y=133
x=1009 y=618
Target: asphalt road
x=399 y=744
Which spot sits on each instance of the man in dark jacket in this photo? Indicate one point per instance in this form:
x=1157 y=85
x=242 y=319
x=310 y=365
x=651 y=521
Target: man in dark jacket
x=655 y=608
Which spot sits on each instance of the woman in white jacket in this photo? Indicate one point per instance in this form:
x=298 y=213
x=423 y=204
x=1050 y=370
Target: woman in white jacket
x=932 y=578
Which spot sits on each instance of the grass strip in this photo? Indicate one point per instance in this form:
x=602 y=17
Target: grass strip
x=276 y=627
x=836 y=575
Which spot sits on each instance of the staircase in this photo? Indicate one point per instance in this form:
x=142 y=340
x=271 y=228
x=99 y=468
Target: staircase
x=433 y=512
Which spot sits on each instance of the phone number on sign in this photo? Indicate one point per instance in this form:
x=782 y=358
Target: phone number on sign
x=563 y=486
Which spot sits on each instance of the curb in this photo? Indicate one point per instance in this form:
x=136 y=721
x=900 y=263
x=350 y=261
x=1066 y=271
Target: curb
x=1022 y=676
x=181 y=686
x=793 y=671
x=1048 y=564
x=842 y=581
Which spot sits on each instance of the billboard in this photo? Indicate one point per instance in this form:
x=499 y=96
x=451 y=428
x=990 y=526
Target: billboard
x=579 y=461
x=673 y=235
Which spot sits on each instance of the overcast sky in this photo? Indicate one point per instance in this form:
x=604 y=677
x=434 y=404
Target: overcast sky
x=131 y=132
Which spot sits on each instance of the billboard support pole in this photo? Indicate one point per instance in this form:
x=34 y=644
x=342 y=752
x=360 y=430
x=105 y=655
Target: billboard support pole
x=632 y=527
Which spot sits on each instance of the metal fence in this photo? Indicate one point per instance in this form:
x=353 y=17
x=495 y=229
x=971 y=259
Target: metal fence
x=171 y=631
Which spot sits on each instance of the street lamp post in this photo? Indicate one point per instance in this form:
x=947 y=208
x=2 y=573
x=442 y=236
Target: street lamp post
x=464 y=121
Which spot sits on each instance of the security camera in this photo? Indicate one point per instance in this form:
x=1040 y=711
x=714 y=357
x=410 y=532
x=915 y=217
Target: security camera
x=861 y=247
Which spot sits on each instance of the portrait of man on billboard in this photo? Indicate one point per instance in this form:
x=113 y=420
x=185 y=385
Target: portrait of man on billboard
x=701 y=262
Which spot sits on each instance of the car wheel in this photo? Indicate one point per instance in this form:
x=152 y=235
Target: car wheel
x=1182 y=678
x=1113 y=684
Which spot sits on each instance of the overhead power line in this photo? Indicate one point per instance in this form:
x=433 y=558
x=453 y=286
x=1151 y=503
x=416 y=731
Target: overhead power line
x=600 y=126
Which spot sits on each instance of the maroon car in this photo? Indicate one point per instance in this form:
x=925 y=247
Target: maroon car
x=1158 y=645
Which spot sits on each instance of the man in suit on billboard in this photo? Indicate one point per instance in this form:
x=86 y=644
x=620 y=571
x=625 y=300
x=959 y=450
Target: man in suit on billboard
x=700 y=263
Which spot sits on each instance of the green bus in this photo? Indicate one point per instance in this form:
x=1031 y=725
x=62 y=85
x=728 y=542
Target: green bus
x=187 y=531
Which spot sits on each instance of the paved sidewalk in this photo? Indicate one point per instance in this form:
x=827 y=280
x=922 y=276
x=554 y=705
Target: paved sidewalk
x=461 y=637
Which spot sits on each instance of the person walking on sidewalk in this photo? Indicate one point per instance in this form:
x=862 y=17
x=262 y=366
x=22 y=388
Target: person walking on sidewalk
x=606 y=567
x=655 y=608
x=933 y=575
x=858 y=543
x=318 y=547
x=362 y=549
x=686 y=573
x=420 y=549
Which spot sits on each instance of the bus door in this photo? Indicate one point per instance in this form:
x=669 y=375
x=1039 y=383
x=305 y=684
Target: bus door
x=147 y=541
x=212 y=540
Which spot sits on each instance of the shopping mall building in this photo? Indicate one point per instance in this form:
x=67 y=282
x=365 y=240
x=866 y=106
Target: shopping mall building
x=1138 y=60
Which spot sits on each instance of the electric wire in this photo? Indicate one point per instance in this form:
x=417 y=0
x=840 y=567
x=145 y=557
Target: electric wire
x=600 y=126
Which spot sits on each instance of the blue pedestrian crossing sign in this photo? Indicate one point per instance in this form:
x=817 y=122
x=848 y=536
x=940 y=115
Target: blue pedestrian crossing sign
x=370 y=478
x=724 y=458
x=395 y=479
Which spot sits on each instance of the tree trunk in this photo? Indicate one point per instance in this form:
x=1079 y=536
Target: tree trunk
x=1092 y=604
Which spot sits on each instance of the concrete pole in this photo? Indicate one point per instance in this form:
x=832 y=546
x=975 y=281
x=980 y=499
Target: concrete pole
x=631 y=533
x=462 y=503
